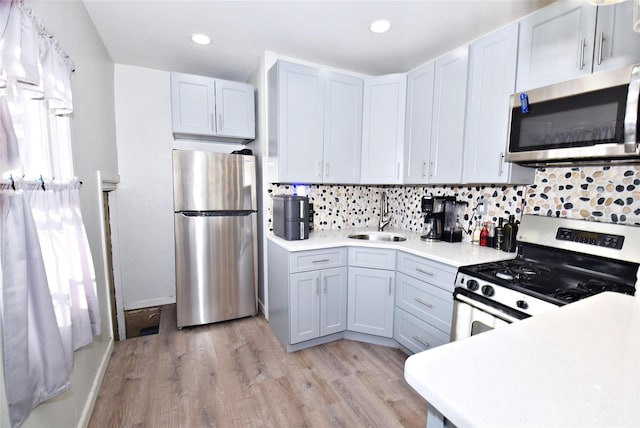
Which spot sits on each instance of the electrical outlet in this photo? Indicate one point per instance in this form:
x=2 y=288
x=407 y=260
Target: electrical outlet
x=483 y=206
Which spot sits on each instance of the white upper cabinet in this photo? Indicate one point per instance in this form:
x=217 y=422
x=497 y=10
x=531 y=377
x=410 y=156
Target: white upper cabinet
x=571 y=38
x=492 y=76
x=204 y=107
x=418 y=124
x=556 y=44
x=235 y=110
x=447 y=129
x=342 y=128
x=315 y=122
x=383 y=129
x=296 y=93
x=617 y=44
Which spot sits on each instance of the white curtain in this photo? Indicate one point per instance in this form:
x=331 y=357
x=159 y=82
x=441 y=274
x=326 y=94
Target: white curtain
x=48 y=297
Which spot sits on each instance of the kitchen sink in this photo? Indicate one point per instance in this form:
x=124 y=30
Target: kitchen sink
x=378 y=236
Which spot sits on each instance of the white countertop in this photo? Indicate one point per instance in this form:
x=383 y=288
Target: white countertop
x=576 y=366
x=455 y=254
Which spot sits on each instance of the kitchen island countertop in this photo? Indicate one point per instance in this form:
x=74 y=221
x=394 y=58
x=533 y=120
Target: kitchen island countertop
x=576 y=366
x=454 y=254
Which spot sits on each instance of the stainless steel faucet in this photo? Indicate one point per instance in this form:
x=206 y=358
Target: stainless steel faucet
x=385 y=217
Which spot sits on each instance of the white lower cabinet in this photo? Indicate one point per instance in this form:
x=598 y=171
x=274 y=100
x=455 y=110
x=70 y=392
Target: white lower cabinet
x=424 y=303
x=317 y=303
x=371 y=291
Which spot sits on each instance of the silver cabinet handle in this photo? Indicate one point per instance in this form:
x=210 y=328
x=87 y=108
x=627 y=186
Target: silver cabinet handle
x=326 y=170
x=317 y=285
x=219 y=121
x=213 y=122
x=582 y=45
x=426 y=272
x=427 y=304
x=420 y=341
x=424 y=169
x=500 y=163
x=390 y=279
x=324 y=284
x=319 y=173
x=600 y=47
x=430 y=168
x=320 y=261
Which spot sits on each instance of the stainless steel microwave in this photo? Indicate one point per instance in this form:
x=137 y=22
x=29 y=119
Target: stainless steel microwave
x=591 y=120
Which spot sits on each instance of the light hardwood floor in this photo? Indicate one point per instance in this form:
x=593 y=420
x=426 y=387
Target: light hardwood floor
x=236 y=374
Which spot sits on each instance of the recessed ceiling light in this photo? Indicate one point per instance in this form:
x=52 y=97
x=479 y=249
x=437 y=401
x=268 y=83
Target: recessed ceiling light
x=380 y=26
x=200 y=39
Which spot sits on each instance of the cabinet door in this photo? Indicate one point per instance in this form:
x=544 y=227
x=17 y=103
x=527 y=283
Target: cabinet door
x=492 y=77
x=342 y=128
x=333 y=301
x=300 y=123
x=418 y=124
x=235 y=110
x=447 y=133
x=192 y=104
x=556 y=44
x=617 y=44
x=370 y=301
x=383 y=129
x=304 y=299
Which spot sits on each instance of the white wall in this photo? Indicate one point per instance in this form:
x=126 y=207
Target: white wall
x=94 y=148
x=145 y=201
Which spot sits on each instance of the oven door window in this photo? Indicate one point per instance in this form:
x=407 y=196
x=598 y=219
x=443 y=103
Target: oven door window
x=581 y=120
x=470 y=320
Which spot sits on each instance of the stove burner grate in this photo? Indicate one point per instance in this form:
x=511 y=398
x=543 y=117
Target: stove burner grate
x=589 y=288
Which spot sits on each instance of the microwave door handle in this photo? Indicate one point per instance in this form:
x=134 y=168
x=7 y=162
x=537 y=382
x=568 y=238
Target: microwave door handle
x=631 y=113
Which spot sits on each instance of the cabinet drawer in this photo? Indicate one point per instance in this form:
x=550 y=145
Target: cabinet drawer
x=415 y=334
x=372 y=258
x=435 y=273
x=320 y=259
x=425 y=301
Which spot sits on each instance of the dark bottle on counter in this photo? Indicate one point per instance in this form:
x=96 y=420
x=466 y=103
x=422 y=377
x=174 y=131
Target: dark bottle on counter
x=484 y=236
x=499 y=235
x=491 y=240
x=510 y=232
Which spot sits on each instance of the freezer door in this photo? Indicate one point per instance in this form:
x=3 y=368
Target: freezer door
x=205 y=181
x=216 y=272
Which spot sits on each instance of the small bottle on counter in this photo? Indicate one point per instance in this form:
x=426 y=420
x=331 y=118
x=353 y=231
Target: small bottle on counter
x=491 y=239
x=475 y=236
x=484 y=236
x=499 y=240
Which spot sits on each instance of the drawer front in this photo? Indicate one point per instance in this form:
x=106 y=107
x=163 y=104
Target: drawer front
x=435 y=273
x=372 y=258
x=425 y=301
x=415 y=334
x=320 y=259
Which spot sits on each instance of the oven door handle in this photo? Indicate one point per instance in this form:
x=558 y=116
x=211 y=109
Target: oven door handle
x=486 y=308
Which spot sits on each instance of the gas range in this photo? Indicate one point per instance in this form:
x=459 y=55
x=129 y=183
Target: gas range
x=558 y=261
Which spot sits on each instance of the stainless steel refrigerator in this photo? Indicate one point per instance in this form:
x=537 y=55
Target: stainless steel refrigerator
x=214 y=201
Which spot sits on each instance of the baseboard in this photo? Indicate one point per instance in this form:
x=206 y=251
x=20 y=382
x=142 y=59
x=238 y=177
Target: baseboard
x=95 y=388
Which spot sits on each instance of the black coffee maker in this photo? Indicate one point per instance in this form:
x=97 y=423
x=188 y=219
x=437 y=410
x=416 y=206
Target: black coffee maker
x=433 y=213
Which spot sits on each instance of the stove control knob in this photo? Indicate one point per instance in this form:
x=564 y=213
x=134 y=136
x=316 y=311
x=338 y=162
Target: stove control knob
x=522 y=304
x=487 y=290
x=472 y=285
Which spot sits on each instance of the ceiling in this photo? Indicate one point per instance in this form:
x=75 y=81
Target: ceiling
x=156 y=33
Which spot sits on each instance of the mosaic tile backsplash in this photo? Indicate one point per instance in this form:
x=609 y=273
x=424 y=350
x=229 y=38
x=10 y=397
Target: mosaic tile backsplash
x=607 y=194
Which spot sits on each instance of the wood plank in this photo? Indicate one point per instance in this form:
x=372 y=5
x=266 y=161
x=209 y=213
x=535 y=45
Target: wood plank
x=237 y=374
